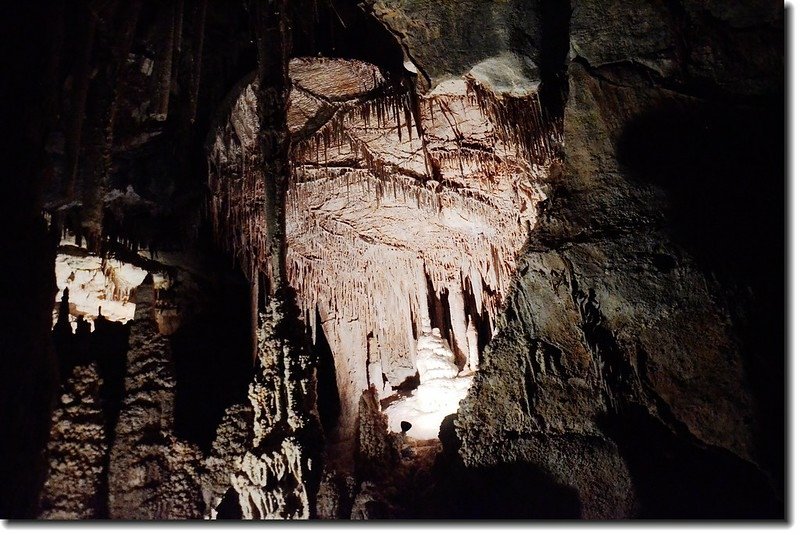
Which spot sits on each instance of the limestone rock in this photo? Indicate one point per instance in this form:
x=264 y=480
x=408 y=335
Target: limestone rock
x=152 y=474
x=77 y=451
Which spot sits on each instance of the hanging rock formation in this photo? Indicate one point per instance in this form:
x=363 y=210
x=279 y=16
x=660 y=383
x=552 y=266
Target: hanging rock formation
x=401 y=217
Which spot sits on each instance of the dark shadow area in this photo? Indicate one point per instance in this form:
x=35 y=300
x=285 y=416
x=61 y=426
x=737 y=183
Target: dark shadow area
x=555 y=15
x=677 y=479
x=229 y=508
x=723 y=170
x=342 y=29
x=328 y=402
x=111 y=353
x=409 y=383
x=483 y=326
x=213 y=358
x=505 y=491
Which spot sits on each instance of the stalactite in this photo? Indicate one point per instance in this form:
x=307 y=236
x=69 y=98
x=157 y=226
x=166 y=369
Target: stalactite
x=116 y=38
x=521 y=122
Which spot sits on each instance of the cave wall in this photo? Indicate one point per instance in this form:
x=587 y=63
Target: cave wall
x=611 y=291
x=627 y=306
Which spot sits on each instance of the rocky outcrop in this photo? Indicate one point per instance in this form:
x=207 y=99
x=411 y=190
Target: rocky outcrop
x=446 y=40
x=97 y=285
x=335 y=496
x=227 y=452
x=377 y=453
x=152 y=474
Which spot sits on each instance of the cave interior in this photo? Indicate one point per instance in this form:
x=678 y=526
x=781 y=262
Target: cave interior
x=393 y=259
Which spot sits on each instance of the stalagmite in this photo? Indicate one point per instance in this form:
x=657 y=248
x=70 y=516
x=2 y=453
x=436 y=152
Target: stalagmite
x=472 y=345
x=145 y=454
x=77 y=451
x=438 y=394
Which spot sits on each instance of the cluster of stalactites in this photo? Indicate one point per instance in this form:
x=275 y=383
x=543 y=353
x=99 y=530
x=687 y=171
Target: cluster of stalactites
x=237 y=213
x=469 y=153
x=394 y=111
x=386 y=287
x=521 y=122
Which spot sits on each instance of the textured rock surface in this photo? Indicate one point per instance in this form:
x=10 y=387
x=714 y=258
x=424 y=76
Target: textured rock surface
x=227 y=452
x=273 y=472
x=152 y=474
x=400 y=217
x=615 y=315
x=610 y=310
x=77 y=451
x=448 y=39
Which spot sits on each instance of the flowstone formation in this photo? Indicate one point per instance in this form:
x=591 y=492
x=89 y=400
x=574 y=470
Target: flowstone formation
x=404 y=212
x=440 y=389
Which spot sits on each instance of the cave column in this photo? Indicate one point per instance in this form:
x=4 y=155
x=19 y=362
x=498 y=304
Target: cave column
x=272 y=96
x=423 y=319
x=458 y=325
x=114 y=43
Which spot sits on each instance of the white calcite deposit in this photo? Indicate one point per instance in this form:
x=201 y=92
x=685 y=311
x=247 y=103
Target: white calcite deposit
x=96 y=285
x=440 y=390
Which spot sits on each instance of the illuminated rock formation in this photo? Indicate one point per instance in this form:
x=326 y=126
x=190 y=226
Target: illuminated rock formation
x=97 y=284
x=401 y=217
x=438 y=394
